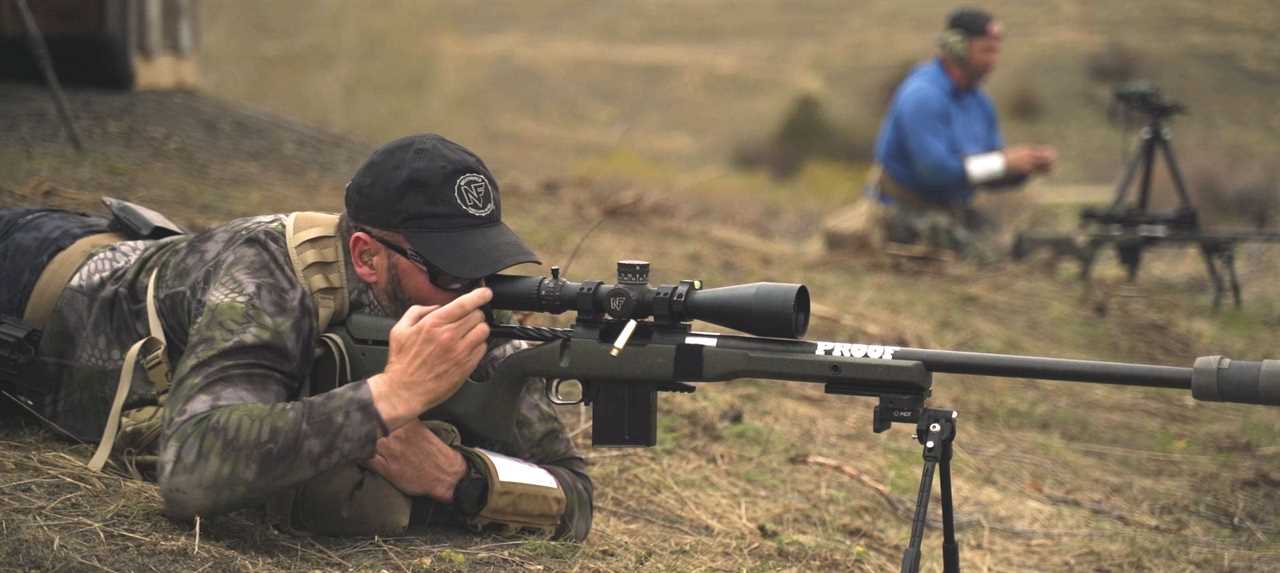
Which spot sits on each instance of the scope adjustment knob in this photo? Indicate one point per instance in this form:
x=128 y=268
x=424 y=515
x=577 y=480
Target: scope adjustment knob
x=633 y=272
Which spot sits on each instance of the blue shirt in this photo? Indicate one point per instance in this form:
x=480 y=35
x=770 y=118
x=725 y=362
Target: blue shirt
x=931 y=127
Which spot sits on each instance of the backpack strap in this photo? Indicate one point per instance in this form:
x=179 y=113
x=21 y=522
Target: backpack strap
x=316 y=253
x=150 y=351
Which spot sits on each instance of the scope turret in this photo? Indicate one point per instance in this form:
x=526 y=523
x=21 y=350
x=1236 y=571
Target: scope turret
x=763 y=309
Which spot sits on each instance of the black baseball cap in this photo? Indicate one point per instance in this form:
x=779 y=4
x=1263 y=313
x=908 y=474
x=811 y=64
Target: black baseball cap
x=970 y=22
x=442 y=199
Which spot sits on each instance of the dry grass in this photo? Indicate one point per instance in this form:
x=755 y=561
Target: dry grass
x=56 y=515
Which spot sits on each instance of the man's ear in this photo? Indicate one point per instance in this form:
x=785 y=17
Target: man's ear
x=364 y=253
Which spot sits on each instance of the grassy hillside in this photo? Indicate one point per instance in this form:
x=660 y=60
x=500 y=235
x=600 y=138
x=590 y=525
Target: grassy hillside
x=540 y=86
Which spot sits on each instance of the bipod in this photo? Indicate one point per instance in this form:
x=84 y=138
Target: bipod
x=936 y=430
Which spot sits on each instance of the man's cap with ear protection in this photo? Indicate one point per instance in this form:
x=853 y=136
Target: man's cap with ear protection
x=963 y=24
x=954 y=45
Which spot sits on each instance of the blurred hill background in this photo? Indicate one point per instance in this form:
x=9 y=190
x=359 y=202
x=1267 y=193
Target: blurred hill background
x=541 y=87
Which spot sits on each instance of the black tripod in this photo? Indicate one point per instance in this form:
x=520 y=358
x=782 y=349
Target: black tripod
x=1155 y=139
x=1132 y=227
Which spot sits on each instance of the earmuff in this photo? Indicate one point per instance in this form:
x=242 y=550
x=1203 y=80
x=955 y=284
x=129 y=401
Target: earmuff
x=954 y=44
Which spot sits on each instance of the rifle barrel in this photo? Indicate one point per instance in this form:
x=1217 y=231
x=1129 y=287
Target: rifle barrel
x=958 y=362
x=1099 y=372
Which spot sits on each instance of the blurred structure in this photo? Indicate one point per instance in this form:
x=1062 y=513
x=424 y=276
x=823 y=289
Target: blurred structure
x=124 y=44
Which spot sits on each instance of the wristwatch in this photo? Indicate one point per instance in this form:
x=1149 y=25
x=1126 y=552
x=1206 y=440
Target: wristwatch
x=472 y=490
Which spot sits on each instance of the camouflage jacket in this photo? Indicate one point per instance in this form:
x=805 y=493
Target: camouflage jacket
x=241 y=332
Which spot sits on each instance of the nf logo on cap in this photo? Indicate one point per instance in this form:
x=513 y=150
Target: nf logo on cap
x=474 y=194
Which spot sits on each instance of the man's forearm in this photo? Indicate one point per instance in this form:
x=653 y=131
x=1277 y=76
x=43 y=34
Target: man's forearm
x=232 y=456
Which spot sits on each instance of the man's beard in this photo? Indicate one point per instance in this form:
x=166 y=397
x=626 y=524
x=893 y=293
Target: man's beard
x=391 y=302
x=398 y=302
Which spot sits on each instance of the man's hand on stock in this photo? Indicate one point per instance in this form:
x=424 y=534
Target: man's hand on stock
x=431 y=351
x=418 y=463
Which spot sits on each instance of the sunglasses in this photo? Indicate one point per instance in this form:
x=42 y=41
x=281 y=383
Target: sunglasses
x=442 y=280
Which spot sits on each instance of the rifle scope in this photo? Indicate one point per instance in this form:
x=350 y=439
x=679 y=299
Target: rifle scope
x=762 y=309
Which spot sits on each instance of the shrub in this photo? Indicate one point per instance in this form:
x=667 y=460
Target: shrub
x=1115 y=63
x=1248 y=195
x=1025 y=103
x=805 y=133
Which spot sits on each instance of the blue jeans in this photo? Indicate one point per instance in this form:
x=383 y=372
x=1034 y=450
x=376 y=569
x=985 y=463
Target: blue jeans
x=29 y=239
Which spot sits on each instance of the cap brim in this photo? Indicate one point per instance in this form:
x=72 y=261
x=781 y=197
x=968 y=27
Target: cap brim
x=474 y=252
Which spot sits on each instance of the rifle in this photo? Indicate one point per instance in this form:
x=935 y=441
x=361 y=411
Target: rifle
x=18 y=344
x=630 y=341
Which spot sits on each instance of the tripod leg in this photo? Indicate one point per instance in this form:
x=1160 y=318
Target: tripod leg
x=1178 y=185
x=1149 y=161
x=1130 y=171
x=911 y=557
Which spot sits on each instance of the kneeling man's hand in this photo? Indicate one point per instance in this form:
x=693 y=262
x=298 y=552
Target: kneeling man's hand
x=418 y=462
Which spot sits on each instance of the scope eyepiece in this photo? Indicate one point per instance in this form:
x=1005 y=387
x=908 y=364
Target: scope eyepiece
x=762 y=309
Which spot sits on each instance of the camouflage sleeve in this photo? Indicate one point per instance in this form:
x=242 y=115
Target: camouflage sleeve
x=232 y=437
x=543 y=440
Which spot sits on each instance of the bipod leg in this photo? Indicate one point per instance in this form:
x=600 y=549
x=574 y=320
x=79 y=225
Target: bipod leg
x=950 y=549
x=1210 y=252
x=1229 y=260
x=935 y=431
x=1088 y=254
x=1129 y=251
x=911 y=557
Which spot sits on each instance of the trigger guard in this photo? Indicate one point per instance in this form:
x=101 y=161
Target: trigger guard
x=552 y=390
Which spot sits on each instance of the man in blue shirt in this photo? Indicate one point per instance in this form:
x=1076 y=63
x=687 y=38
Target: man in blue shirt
x=940 y=141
